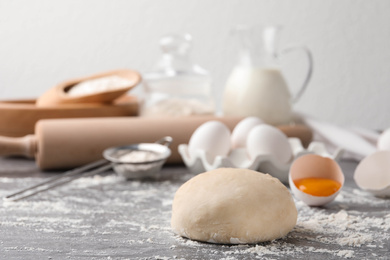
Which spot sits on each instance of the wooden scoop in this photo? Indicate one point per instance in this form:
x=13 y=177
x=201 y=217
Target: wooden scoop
x=58 y=95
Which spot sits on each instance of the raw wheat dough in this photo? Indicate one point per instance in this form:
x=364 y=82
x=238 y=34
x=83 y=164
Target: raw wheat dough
x=233 y=206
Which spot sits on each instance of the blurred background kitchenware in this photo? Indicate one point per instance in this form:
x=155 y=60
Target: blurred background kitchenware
x=139 y=161
x=99 y=95
x=256 y=86
x=68 y=143
x=105 y=92
x=135 y=161
x=18 y=117
x=177 y=86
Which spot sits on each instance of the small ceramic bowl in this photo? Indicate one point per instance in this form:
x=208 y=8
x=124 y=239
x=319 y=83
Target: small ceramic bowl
x=315 y=166
x=373 y=174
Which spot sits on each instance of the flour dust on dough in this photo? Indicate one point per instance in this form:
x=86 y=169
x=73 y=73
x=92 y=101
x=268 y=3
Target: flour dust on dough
x=233 y=206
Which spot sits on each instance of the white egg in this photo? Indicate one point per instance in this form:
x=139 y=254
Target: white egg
x=268 y=140
x=241 y=131
x=384 y=141
x=372 y=174
x=213 y=137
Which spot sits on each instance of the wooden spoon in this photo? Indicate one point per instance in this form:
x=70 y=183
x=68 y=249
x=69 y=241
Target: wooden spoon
x=58 y=94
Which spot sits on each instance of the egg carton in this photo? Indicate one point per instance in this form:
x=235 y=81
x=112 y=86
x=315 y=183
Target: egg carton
x=266 y=163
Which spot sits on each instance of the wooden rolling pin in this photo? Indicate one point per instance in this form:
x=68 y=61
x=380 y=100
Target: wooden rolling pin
x=67 y=143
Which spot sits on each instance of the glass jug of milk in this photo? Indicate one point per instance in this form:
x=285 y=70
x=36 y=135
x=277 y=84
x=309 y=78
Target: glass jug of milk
x=256 y=86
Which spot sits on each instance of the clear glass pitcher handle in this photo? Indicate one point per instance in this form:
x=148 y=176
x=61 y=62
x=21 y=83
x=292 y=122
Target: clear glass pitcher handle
x=309 y=56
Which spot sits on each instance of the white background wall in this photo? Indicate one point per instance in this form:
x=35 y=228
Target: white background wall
x=44 y=42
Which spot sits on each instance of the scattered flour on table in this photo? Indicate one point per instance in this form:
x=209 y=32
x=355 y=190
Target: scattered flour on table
x=328 y=229
x=338 y=231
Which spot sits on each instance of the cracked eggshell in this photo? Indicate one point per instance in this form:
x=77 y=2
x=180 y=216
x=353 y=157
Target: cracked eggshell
x=268 y=140
x=315 y=166
x=383 y=143
x=213 y=137
x=241 y=131
x=373 y=174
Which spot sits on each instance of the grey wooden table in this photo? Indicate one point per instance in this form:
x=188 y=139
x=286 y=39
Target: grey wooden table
x=107 y=217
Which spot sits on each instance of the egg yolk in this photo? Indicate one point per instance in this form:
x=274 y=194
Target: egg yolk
x=318 y=186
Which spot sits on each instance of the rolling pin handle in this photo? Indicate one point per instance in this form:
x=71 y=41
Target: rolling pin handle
x=25 y=146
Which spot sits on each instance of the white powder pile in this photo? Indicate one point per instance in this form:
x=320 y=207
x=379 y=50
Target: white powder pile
x=99 y=85
x=177 y=107
x=123 y=217
x=139 y=156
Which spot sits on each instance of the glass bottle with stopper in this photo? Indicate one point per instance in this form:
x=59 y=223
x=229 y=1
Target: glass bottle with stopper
x=177 y=87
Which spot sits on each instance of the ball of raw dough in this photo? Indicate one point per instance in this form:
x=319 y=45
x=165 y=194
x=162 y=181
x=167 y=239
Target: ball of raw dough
x=233 y=206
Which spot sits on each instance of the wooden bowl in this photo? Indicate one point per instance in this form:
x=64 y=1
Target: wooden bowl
x=18 y=117
x=58 y=94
